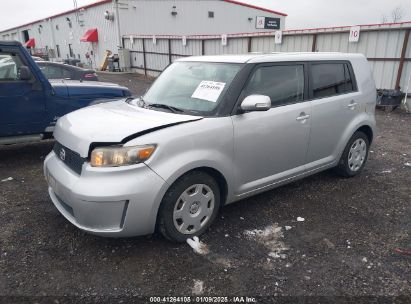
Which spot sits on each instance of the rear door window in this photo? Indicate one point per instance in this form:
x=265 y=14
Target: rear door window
x=67 y=74
x=329 y=79
x=55 y=72
x=284 y=84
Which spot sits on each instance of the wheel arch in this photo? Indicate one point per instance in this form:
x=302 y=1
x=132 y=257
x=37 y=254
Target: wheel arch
x=214 y=173
x=367 y=130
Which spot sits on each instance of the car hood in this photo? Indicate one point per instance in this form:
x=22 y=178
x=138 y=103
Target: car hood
x=112 y=122
x=91 y=88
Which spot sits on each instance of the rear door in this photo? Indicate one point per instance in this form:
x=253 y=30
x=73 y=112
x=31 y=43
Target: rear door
x=22 y=102
x=271 y=146
x=335 y=104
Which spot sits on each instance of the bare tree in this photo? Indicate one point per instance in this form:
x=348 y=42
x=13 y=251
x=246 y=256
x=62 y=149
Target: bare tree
x=384 y=18
x=397 y=14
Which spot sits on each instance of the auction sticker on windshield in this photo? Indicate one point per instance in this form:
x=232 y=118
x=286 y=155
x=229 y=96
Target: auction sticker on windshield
x=208 y=90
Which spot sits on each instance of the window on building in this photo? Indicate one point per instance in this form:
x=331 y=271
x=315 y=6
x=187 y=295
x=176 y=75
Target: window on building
x=57 y=27
x=69 y=24
x=210 y=14
x=58 y=51
x=331 y=79
x=284 y=84
x=71 y=53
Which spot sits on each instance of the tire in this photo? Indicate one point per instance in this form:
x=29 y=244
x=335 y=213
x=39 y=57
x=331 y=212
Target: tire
x=355 y=155
x=189 y=206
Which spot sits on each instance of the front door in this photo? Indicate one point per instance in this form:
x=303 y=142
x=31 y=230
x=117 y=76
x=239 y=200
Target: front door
x=22 y=105
x=271 y=146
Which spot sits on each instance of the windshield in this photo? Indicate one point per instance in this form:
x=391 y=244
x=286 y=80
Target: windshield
x=192 y=86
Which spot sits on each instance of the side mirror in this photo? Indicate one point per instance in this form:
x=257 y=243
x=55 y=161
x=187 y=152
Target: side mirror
x=24 y=73
x=256 y=103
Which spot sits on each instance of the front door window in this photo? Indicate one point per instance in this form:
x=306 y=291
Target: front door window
x=9 y=67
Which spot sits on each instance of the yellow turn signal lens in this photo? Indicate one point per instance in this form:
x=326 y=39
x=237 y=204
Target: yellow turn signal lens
x=145 y=153
x=97 y=158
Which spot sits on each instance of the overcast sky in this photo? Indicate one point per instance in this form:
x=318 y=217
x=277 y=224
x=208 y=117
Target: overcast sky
x=301 y=13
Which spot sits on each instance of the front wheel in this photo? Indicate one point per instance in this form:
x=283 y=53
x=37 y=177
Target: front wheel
x=354 y=156
x=189 y=206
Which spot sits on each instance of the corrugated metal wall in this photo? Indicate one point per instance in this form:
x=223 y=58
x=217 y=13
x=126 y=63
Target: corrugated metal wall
x=191 y=17
x=381 y=44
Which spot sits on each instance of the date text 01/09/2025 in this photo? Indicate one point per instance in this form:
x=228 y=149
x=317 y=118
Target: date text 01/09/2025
x=202 y=299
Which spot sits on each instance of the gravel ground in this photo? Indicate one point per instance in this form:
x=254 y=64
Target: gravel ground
x=257 y=247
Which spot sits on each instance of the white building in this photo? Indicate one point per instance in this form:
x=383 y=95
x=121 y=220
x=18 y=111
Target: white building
x=102 y=25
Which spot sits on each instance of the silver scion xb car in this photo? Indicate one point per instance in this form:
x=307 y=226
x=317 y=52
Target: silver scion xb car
x=210 y=131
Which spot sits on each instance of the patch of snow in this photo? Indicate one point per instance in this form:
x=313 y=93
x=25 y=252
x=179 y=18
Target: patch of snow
x=7 y=179
x=227 y=235
x=386 y=171
x=198 y=246
x=241 y=218
x=276 y=255
x=288 y=227
x=270 y=238
x=198 y=288
x=408 y=164
x=364 y=259
x=300 y=219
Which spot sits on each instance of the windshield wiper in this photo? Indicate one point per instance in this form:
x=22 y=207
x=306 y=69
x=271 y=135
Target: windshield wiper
x=143 y=104
x=164 y=106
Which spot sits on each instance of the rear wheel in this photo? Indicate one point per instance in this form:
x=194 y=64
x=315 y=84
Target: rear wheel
x=354 y=156
x=189 y=206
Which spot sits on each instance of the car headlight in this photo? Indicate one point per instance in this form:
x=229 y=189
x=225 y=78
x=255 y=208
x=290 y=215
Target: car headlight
x=120 y=156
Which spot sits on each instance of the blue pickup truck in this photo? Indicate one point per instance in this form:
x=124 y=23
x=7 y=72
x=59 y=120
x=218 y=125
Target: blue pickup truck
x=30 y=104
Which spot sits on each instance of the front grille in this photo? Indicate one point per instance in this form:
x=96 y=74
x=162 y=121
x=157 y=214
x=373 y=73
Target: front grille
x=72 y=159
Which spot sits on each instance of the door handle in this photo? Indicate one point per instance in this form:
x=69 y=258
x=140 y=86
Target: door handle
x=352 y=105
x=302 y=117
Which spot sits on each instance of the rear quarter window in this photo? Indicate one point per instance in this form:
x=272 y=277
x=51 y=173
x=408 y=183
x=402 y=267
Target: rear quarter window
x=330 y=79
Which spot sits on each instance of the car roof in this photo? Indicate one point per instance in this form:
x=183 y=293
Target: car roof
x=272 y=57
x=10 y=42
x=67 y=66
